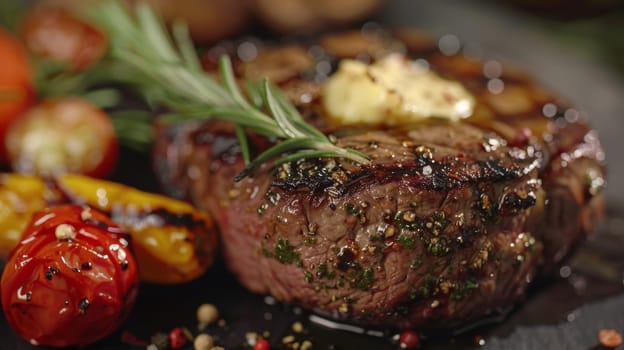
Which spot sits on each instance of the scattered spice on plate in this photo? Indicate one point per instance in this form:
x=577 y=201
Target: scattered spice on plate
x=160 y=341
x=252 y=338
x=479 y=340
x=288 y=339
x=297 y=327
x=262 y=344
x=178 y=338
x=610 y=338
x=306 y=345
x=409 y=339
x=203 y=342
x=207 y=314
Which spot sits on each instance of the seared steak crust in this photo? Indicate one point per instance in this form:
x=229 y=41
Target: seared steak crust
x=449 y=223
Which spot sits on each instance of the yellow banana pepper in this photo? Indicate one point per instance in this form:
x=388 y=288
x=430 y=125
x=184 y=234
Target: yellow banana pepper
x=173 y=242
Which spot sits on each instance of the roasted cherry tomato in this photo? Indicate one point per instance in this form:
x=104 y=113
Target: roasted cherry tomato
x=16 y=89
x=71 y=280
x=68 y=135
x=56 y=34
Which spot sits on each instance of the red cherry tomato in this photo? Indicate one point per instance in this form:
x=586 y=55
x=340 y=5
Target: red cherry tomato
x=71 y=280
x=69 y=135
x=56 y=34
x=16 y=89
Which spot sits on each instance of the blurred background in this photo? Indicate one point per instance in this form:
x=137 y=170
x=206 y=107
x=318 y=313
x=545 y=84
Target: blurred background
x=574 y=47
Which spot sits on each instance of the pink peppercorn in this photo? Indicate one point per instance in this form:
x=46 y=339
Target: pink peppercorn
x=262 y=344
x=409 y=340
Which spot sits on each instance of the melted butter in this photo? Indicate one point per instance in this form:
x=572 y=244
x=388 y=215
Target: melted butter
x=393 y=91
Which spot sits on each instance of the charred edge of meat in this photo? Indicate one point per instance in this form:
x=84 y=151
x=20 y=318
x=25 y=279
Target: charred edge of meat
x=320 y=175
x=225 y=146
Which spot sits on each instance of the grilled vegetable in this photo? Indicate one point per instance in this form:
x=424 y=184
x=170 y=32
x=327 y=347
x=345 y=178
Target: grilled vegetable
x=20 y=197
x=71 y=280
x=60 y=136
x=172 y=241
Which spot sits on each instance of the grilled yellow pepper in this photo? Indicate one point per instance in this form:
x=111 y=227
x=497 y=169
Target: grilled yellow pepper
x=173 y=242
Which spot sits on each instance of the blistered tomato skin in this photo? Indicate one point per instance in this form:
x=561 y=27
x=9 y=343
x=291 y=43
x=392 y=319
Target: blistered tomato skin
x=71 y=280
x=65 y=135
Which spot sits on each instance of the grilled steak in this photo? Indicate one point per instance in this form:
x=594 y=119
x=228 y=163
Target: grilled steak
x=450 y=222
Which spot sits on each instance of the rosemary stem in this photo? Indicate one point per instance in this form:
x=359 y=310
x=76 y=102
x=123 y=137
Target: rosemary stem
x=165 y=67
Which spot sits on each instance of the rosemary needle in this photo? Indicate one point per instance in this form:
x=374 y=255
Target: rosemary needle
x=166 y=69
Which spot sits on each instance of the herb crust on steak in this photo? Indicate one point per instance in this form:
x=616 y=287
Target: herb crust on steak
x=449 y=223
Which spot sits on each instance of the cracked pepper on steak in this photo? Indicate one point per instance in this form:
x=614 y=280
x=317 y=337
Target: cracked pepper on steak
x=449 y=223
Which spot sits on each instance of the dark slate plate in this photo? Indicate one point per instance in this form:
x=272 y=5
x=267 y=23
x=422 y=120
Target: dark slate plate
x=564 y=312
x=578 y=333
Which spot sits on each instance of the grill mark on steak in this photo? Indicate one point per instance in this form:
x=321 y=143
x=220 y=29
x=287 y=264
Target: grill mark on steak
x=449 y=223
x=415 y=164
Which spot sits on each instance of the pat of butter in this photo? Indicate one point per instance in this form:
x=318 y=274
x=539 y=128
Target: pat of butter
x=392 y=91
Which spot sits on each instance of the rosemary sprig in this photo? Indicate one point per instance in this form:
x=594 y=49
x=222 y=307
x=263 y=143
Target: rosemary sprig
x=166 y=69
